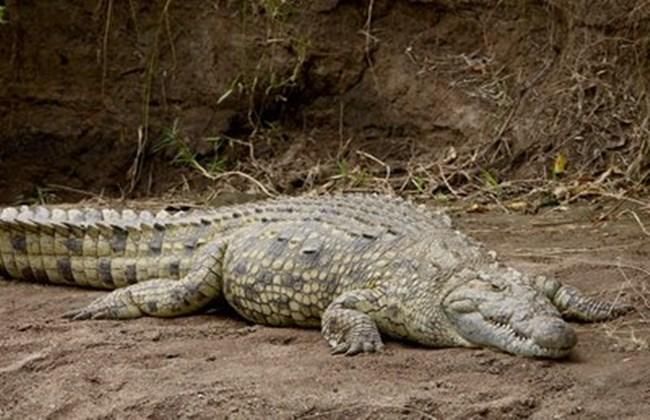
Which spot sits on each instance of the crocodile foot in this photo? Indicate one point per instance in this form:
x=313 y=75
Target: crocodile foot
x=351 y=332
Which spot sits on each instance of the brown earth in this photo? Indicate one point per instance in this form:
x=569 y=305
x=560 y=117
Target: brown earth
x=219 y=366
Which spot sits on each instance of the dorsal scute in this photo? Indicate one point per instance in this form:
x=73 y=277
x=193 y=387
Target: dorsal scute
x=130 y=215
x=76 y=217
x=25 y=214
x=41 y=214
x=162 y=215
x=92 y=215
x=145 y=216
x=8 y=214
x=77 y=222
x=59 y=215
x=110 y=215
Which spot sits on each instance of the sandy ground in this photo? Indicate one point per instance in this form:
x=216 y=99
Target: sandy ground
x=218 y=366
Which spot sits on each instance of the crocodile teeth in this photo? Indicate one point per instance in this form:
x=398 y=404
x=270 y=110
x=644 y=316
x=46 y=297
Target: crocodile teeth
x=507 y=329
x=519 y=340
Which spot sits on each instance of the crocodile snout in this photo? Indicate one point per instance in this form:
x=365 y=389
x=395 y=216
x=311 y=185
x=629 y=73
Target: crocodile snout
x=553 y=333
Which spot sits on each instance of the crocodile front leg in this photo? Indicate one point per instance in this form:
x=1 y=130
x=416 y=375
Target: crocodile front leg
x=573 y=304
x=347 y=323
x=161 y=297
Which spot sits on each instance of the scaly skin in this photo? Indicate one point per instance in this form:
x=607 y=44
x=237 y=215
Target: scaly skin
x=357 y=266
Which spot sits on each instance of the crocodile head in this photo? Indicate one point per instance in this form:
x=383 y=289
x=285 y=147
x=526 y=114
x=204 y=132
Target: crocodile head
x=501 y=309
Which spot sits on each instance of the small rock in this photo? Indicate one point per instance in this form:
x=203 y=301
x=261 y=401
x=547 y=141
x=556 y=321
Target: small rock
x=576 y=410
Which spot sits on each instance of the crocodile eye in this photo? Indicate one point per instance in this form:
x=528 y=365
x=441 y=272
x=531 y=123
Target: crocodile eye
x=497 y=287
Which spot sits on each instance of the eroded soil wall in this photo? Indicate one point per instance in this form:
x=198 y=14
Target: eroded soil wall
x=92 y=93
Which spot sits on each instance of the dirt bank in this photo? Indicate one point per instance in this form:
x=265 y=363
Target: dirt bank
x=436 y=96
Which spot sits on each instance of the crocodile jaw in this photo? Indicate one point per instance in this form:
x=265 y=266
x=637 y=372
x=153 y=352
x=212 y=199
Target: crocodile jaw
x=548 y=337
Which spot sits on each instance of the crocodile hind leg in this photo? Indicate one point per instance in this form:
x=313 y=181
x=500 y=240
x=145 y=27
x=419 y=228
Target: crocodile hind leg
x=347 y=323
x=574 y=305
x=161 y=297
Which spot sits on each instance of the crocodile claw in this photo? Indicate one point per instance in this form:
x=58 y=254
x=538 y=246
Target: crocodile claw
x=76 y=315
x=85 y=313
x=116 y=305
x=357 y=347
x=355 y=342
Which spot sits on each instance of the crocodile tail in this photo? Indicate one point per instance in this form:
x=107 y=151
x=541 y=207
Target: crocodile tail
x=94 y=248
x=573 y=304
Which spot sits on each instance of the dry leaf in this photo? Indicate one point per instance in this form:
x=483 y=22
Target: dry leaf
x=559 y=166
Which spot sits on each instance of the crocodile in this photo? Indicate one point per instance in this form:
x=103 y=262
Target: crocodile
x=358 y=266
